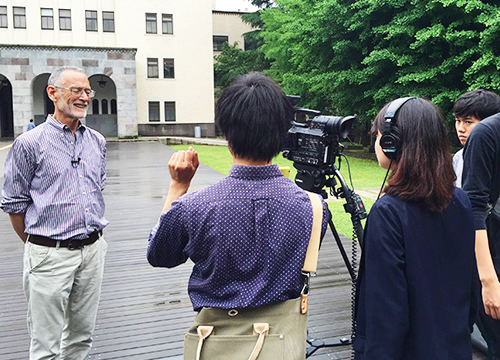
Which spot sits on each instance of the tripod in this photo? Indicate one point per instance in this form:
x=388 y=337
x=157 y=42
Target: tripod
x=355 y=207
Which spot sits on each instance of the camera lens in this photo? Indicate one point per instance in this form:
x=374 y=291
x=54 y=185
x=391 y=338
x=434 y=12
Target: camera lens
x=337 y=125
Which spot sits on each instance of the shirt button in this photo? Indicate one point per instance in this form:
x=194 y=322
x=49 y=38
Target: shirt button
x=80 y=176
x=88 y=226
x=72 y=143
x=87 y=210
x=84 y=193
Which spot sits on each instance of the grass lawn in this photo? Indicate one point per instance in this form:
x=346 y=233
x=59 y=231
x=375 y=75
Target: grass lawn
x=366 y=174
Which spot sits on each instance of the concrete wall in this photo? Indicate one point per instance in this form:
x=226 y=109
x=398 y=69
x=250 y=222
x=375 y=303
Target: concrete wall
x=105 y=124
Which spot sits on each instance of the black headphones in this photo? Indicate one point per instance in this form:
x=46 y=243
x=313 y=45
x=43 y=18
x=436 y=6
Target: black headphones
x=389 y=142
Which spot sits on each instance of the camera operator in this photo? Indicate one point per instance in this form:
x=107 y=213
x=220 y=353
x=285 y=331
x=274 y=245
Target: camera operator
x=481 y=181
x=417 y=266
x=247 y=234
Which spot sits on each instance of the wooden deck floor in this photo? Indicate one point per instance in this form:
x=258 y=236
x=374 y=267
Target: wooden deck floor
x=145 y=311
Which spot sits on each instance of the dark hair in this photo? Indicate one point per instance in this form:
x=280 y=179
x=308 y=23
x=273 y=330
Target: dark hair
x=424 y=171
x=478 y=103
x=255 y=115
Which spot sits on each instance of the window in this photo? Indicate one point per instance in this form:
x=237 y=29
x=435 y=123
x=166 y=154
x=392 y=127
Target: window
x=218 y=41
x=154 y=111
x=168 y=68
x=113 y=106
x=19 y=17
x=104 y=106
x=150 y=23
x=47 y=19
x=95 y=107
x=91 y=20
x=152 y=68
x=64 y=19
x=3 y=16
x=167 y=24
x=169 y=111
x=108 y=21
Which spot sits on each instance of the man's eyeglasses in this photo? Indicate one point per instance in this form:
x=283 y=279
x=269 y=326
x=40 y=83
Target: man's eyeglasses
x=77 y=91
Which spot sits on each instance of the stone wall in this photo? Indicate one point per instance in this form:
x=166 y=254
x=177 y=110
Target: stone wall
x=22 y=64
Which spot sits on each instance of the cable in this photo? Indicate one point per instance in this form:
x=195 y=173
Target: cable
x=354 y=263
x=383 y=183
x=348 y=171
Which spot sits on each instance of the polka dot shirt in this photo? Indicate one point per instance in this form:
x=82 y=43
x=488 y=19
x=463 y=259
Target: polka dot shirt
x=247 y=236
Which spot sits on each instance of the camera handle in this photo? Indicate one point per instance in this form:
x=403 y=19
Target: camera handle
x=355 y=207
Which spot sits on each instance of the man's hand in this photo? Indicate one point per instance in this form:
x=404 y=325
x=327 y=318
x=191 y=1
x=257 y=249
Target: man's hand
x=487 y=275
x=491 y=299
x=182 y=167
x=17 y=221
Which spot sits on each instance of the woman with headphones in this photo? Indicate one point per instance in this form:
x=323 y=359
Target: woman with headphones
x=418 y=266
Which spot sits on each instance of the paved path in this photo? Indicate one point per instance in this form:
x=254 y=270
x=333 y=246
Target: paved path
x=145 y=311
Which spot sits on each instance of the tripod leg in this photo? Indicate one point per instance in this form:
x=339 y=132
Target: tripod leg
x=342 y=250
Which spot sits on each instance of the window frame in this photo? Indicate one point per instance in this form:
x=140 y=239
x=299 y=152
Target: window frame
x=47 y=19
x=108 y=21
x=217 y=45
x=166 y=23
x=4 y=18
x=151 y=103
x=150 y=22
x=95 y=106
x=19 y=17
x=91 y=20
x=104 y=107
x=169 y=111
x=171 y=69
x=151 y=68
x=67 y=20
x=113 y=106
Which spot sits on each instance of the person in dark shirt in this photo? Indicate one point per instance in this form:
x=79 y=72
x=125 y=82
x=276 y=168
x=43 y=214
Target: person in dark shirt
x=471 y=108
x=481 y=182
x=247 y=234
x=417 y=266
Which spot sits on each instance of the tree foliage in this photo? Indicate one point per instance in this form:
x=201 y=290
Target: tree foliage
x=233 y=61
x=351 y=57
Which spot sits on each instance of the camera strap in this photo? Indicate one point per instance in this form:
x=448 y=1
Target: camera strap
x=312 y=253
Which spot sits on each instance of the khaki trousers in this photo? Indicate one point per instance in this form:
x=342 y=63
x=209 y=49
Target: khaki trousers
x=63 y=288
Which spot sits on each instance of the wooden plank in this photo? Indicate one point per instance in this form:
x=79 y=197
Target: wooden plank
x=144 y=311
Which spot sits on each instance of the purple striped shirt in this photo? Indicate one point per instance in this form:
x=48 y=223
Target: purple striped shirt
x=57 y=179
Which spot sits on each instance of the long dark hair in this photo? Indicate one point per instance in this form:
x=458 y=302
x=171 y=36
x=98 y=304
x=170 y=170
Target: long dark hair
x=423 y=170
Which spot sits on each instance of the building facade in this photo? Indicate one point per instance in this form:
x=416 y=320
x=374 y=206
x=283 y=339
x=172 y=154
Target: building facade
x=228 y=27
x=150 y=62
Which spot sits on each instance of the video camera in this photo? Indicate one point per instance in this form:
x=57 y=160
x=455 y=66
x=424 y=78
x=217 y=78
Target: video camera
x=313 y=144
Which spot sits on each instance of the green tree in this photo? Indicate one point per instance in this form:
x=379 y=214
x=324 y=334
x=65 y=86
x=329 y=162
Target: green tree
x=233 y=61
x=351 y=57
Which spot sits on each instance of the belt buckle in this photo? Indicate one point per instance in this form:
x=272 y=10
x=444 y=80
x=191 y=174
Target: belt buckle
x=75 y=244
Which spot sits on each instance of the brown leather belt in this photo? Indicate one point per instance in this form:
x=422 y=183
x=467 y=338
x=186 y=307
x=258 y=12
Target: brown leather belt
x=71 y=244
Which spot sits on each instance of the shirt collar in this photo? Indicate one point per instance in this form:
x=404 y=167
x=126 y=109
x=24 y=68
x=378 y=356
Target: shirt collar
x=60 y=126
x=255 y=172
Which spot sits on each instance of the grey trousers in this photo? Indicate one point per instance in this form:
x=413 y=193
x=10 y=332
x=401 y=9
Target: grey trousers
x=63 y=288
